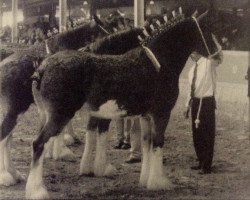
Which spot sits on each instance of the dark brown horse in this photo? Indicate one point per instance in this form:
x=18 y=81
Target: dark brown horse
x=117 y=86
x=15 y=84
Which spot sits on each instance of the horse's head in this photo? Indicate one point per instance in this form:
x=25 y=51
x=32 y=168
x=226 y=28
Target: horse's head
x=175 y=39
x=206 y=43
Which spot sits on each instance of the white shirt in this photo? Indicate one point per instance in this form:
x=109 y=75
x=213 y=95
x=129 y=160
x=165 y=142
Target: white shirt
x=205 y=84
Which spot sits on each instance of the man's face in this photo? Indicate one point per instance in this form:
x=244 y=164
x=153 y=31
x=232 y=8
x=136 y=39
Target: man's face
x=195 y=56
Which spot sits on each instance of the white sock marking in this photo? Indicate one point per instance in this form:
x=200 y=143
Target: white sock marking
x=35 y=188
x=101 y=167
x=60 y=150
x=9 y=166
x=86 y=165
x=109 y=110
x=157 y=179
x=5 y=177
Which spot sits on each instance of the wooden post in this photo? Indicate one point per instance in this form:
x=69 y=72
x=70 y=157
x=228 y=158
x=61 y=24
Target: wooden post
x=14 y=22
x=248 y=79
x=62 y=15
x=139 y=13
x=1 y=14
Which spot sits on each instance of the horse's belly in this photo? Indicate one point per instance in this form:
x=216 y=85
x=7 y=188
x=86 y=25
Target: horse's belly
x=109 y=110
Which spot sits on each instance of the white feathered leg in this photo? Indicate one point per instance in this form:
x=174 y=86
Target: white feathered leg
x=145 y=140
x=157 y=179
x=61 y=151
x=86 y=165
x=101 y=167
x=6 y=178
x=9 y=166
x=68 y=135
x=35 y=188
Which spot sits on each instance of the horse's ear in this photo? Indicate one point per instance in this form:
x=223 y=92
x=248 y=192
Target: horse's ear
x=97 y=20
x=195 y=13
x=202 y=16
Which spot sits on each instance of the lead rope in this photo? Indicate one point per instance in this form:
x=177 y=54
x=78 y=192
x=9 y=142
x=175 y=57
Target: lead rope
x=197 y=120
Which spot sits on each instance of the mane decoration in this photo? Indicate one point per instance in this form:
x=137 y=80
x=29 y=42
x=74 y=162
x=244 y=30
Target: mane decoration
x=160 y=29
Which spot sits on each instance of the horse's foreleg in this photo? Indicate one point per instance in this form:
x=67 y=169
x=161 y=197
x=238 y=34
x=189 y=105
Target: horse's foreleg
x=157 y=180
x=9 y=166
x=60 y=150
x=101 y=166
x=145 y=142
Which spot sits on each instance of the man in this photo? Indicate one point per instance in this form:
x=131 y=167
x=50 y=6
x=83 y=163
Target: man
x=128 y=136
x=122 y=133
x=202 y=80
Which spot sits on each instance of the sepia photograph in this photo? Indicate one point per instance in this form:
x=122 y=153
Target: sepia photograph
x=125 y=99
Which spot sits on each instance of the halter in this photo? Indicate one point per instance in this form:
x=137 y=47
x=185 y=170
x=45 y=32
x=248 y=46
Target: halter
x=204 y=41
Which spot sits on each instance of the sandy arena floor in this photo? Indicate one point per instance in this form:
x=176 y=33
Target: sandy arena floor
x=230 y=178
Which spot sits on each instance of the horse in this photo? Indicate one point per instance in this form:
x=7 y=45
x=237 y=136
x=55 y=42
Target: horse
x=114 y=86
x=113 y=44
x=15 y=84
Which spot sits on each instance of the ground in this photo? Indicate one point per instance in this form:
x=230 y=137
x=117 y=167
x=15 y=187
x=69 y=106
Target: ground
x=230 y=178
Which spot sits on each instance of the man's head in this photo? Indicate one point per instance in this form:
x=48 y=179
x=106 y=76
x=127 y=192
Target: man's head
x=195 y=56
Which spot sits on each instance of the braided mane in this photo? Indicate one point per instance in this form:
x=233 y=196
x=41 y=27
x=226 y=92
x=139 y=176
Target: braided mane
x=161 y=29
x=116 y=43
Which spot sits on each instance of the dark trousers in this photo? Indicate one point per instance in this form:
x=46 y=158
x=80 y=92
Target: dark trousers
x=204 y=135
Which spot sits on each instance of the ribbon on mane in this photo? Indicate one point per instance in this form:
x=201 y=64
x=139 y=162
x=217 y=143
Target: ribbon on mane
x=152 y=58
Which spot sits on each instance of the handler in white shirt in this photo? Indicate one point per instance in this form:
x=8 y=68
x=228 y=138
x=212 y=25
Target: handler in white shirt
x=202 y=80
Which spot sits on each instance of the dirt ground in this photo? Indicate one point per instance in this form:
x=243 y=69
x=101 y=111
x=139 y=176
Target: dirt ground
x=230 y=178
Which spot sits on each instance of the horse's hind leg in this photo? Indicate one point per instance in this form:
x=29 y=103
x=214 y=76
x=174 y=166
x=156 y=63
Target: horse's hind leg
x=55 y=148
x=86 y=165
x=101 y=166
x=8 y=174
x=35 y=188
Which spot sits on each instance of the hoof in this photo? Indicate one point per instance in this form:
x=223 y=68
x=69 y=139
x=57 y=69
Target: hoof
x=161 y=183
x=143 y=181
x=68 y=139
x=7 y=179
x=48 y=155
x=108 y=170
x=65 y=154
x=85 y=170
x=36 y=193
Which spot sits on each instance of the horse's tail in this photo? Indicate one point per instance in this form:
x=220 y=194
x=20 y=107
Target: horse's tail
x=36 y=80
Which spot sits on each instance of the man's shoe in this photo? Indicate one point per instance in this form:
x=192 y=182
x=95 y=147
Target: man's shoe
x=198 y=167
x=125 y=146
x=119 y=145
x=133 y=160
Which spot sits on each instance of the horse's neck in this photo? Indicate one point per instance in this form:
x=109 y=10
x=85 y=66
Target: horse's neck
x=173 y=52
x=73 y=39
x=117 y=44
